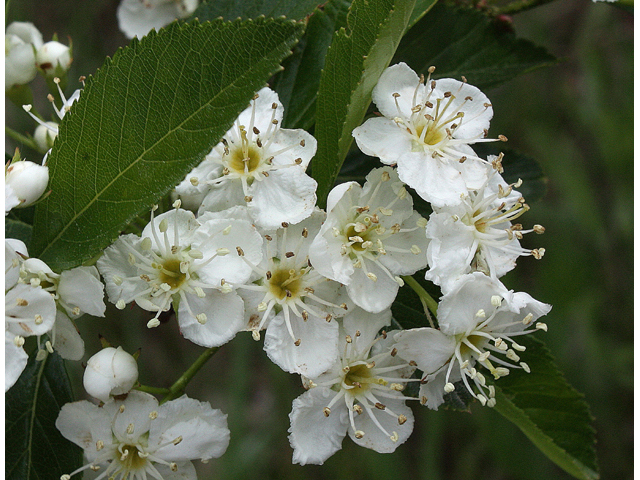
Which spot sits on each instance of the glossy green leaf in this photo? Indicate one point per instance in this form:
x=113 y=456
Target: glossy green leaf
x=146 y=118
x=297 y=85
x=550 y=412
x=356 y=58
x=232 y=9
x=464 y=42
x=38 y=450
x=14 y=228
x=420 y=10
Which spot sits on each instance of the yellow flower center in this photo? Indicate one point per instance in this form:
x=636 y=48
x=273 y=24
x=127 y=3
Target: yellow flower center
x=286 y=283
x=171 y=274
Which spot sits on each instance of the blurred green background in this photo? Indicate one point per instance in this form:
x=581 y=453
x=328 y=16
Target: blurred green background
x=576 y=119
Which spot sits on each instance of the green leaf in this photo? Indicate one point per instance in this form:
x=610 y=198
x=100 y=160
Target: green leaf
x=407 y=309
x=14 y=228
x=356 y=58
x=37 y=450
x=147 y=117
x=297 y=85
x=419 y=11
x=463 y=42
x=232 y=9
x=549 y=411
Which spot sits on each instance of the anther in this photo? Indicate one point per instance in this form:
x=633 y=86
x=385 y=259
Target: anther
x=380 y=406
x=289 y=254
x=358 y=434
x=326 y=411
x=297 y=342
x=240 y=251
x=502 y=138
x=541 y=326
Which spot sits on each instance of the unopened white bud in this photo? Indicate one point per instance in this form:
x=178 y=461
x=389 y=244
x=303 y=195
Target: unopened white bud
x=111 y=371
x=53 y=58
x=44 y=136
x=27 y=181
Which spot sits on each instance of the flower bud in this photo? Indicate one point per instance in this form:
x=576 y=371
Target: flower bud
x=53 y=59
x=111 y=371
x=19 y=62
x=27 y=32
x=44 y=136
x=26 y=180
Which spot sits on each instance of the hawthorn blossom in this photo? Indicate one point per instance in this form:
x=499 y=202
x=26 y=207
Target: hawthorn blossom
x=371 y=236
x=360 y=395
x=135 y=438
x=478 y=234
x=479 y=320
x=193 y=265
x=136 y=18
x=29 y=311
x=260 y=165
x=426 y=130
x=295 y=304
x=111 y=371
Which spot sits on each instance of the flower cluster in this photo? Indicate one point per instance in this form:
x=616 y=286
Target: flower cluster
x=245 y=248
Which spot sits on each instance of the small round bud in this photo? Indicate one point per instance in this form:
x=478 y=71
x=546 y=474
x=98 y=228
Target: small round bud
x=53 y=58
x=27 y=180
x=111 y=371
x=44 y=136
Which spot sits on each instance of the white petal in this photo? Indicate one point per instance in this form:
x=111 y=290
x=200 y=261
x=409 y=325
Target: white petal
x=134 y=421
x=287 y=195
x=469 y=294
x=325 y=256
x=81 y=287
x=383 y=138
x=451 y=248
x=181 y=224
x=314 y=436
x=230 y=267
x=15 y=360
x=376 y=439
x=84 y=424
x=36 y=317
x=114 y=263
x=203 y=430
x=224 y=318
x=368 y=324
x=400 y=79
x=318 y=348
x=437 y=181
x=136 y=20
x=373 y=296
x=67 y=340
x=476 y=115
x=428 y=347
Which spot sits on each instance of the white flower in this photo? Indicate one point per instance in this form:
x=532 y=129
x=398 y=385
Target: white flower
x=426 y=130
x=53 y=58
x=136 y=18
x=294 y=302
x=136 y=438
x=76 y=292
x=28 y=311
x=371 y=236
x=478 y=320
x=111 y=371
x=178 y=260
x=360 y=395
x=19 y=62
x=25 y=181
x=478 y=234
x=259 y=164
